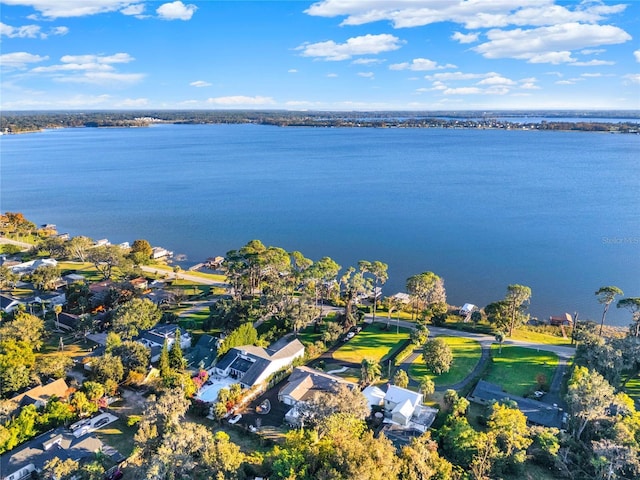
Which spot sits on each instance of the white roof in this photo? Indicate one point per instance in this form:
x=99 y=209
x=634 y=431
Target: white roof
x=405 y=408
x=398 y=395
x=374 y=395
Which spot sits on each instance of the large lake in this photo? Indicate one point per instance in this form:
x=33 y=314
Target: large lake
x=557 y=211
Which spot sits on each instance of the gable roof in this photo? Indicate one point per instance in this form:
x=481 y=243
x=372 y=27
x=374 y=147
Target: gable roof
x=399 y=395
x=43 y=393
x=374 y=395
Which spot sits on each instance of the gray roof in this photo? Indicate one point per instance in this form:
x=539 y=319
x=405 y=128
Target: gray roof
x=204 y=352
x=34 y=452
x=304 y=382
x=536 y=411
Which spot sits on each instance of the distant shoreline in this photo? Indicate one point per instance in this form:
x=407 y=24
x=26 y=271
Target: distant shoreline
x=31 y=122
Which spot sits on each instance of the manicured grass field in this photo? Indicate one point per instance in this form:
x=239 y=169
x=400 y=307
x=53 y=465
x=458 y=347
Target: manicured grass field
x=373 y=342
x=538 y=337
x=633 y=389
x=466 y=355
x=516 y=368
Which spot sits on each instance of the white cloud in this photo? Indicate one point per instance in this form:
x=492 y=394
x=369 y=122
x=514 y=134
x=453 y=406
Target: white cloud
x=100 y=59
x=565 y=82
x=462 y=91
x=19 y=59
x=26 y=31
x=176 y=11
x=472 y=14
x=108 y=79
x=135 y=9
x=632 y=78
x=419 y=65
x=592 y=51
x=592 y=63
x=366 y=74
x=549 y=44
x=332 y=75
x=200 y=83
x=363 y=45
x=636 y=54
x=496 y=80
x=465 y=38
x=241 y=100
x=292 y=70
x=71 y=8
x=445 y=76
x=59 y=31
x=529 y=86
x=367 y=61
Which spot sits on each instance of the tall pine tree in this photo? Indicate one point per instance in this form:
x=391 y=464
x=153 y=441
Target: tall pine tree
x=176 y=359
x=163 y=364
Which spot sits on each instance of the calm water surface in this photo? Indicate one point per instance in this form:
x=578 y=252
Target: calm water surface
x=558 y=211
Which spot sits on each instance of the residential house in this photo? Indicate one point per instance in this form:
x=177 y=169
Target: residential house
x=155 y=337
x=159 y=252
x=404 y=407
x=303 y=384
x=537 y=412
x=139 y=284
x=203 y=354
x=30 y=266
x=252 y=365
x=374 y=396
x=8 y=303
x=29 y=459
x=40 y=395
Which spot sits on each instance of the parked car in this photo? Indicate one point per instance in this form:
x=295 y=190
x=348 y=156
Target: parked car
x=538 y=394
x=349 y=336
x=235 y=419
x=101 y=422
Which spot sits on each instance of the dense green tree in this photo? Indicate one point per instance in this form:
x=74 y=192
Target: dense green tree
x=24 y=327
x=55 y=365
x=437 y=356
x=176 y=358
x=135 y=315
x=107 y=367
x=245 y=334
x=16 y=364
x=606 y=296
x=419 y=335
x=134 y=356
x=53 y=246
x=498 y=315
x=164 y=365
x=8 y=279
x=93 y=390
x=427 y=387
x=499 y=336
x=420 y=460
x=341 y=398
x=458 y=440
x=588 y=397
x=82 y=405
x=323 y=274
x=512 y=435
x=57 y=469
x=426 y=289
x=141 y=252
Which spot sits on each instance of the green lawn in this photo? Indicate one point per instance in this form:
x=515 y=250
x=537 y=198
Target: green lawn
x=373 y=342
x=119 y=436
x=466 y=355
x=633 y=389
x=516 y=368
x=538 y=337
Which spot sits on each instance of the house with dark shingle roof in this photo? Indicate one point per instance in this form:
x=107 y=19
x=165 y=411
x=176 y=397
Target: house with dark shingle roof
x=203 y=353
x=252 y=365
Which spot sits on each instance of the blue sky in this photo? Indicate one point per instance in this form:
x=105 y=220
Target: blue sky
x=324 y=55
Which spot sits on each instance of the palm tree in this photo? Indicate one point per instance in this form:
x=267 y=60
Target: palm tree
x=499 y=339
x=606 y=295
x=57 y=309
x=370 y=371
x=633 y=305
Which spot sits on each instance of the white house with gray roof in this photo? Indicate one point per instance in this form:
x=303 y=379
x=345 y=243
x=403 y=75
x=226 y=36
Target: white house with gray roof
x=252 y=365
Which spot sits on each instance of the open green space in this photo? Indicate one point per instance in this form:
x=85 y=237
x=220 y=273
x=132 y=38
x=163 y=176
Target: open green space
x=373 y=342
x=516 y=369
x=466 y=355
x=633 y=389
x=538 y=337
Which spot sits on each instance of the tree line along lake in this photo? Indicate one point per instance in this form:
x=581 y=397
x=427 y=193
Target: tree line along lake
x=557 y=211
